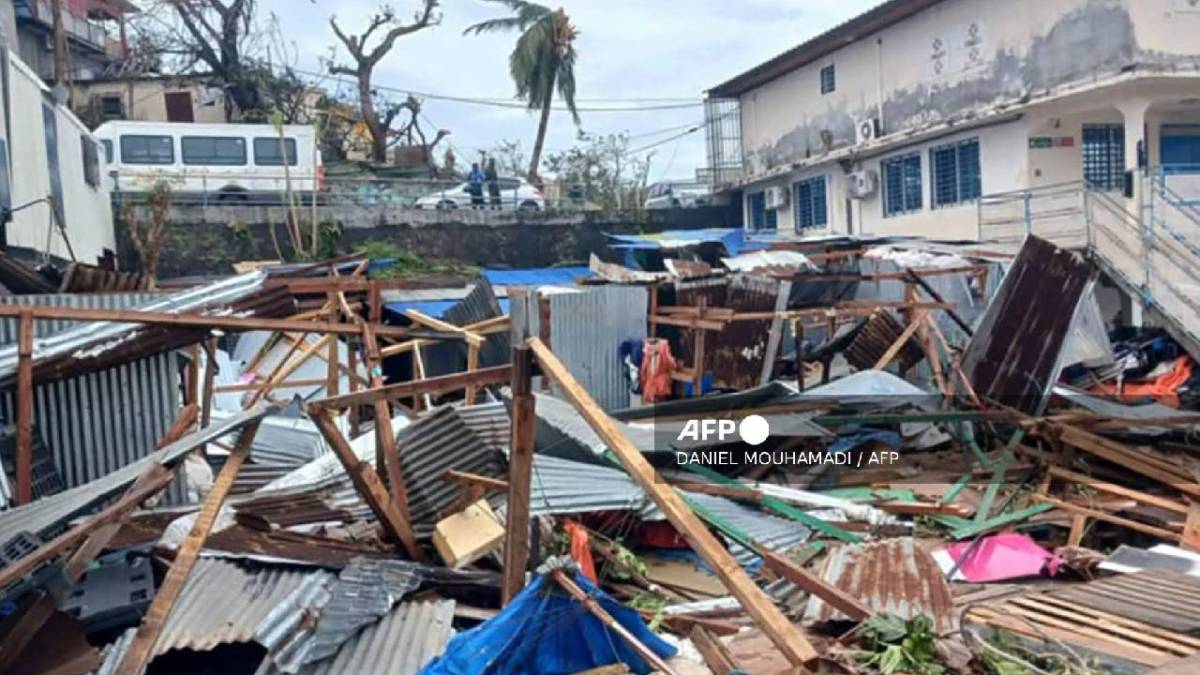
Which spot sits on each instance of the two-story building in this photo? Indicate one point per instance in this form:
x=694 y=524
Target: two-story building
x=898 y=120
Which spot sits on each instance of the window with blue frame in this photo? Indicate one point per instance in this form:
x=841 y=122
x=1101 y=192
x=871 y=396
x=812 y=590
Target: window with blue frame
x=828 y=79
x=809 y=203
x=954 y=172
x=902 y=184
x=1104 y=155
x=761 y=218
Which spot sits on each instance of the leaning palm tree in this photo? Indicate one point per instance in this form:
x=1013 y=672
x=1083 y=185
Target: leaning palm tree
x=542 y=61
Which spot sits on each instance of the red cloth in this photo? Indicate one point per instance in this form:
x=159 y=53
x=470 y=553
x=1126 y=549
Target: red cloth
x=581 y=552
x=1164 y=388
x=657 y=364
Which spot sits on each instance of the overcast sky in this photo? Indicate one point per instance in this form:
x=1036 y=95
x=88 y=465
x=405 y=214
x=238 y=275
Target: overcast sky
x=627 y=49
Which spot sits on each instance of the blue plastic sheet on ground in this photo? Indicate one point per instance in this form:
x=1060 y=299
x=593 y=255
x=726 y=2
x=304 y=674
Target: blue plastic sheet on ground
x=544 y=631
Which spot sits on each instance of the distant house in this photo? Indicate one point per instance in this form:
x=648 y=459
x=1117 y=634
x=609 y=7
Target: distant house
x=94 y=31
x=149 y=98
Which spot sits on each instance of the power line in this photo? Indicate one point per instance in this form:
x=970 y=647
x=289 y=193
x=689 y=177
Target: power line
x=501 y=103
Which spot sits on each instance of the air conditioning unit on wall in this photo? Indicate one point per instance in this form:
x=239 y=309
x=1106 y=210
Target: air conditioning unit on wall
x=866 y=130
x=862 y=183
x=776 y=197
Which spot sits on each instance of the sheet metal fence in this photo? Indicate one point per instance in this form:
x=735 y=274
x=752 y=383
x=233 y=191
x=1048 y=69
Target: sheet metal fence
x=98 y=422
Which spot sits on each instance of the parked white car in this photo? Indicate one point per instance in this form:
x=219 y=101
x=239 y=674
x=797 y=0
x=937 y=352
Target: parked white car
x=677 y=196
x=515 y=193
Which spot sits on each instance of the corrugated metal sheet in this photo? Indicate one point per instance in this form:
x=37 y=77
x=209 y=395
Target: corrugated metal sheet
x=224 y=602
x=400 y=644
x=1014 y=357
x=743 y=354
x=440 y=440
x=562 y=432
x=451 y=357
x=586 y=329
x=98 y=422
x=94 y=345
x=364 y=591
x=45 y=516
x=876 y=337
x=895 y=576
x=1162 y=598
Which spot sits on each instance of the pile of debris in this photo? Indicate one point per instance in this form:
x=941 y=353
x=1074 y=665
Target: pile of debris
x=721 y=456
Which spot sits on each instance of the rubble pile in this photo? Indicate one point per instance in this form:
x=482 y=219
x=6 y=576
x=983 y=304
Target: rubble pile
x=714 y=456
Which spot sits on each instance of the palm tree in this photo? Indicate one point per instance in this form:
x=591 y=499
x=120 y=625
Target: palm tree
x=542 y=61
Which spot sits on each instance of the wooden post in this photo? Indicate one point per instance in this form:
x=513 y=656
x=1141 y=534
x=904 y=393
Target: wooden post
x=138 y=654
x=605 y=618
x=352 y=359
x=698 y=353
x=25 y=409
x=210 y=371
x=543 y=304
x=520 y=469
x=191 y=376
x=472 y=366
x=333 y=360
x=386 y=455
x=786 y=636
x=368 y=484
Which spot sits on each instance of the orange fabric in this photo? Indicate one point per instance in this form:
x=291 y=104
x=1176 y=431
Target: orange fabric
x=1163 y=388
x=581 y=551
x=657 y=364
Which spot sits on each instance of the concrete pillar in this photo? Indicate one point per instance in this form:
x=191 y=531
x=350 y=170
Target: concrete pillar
x=1134 y=113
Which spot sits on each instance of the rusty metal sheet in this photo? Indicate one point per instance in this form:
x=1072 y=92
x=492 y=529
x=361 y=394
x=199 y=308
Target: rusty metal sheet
x=878 y=334
x=1014 y=357
x=895 y=576
x=1158 y=597
x=743 y=354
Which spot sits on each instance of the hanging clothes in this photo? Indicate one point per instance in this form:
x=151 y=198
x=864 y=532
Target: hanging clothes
x=657 y=364
x=581 y=551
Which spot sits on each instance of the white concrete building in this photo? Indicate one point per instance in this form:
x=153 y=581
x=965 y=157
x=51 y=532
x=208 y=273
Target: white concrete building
x=896 y=121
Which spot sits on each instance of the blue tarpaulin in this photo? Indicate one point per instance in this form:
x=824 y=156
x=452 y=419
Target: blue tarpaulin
x=434 y=308
x=733 y=240
x=544 y=631
x=540 y=276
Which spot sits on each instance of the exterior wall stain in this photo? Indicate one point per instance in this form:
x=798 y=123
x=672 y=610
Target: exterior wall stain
x=1094 y=40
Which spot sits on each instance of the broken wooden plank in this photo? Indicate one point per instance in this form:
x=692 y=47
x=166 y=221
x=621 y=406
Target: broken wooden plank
x=367 y=483
x=605 y=618
x=783 y=633
x=815 y=585
x=24 y=396
x=433 y=385
x=137 y=655
x=520 y=470
x=715 y=654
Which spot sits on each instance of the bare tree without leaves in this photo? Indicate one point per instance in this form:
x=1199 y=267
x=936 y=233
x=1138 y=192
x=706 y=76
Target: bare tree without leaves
x=383 y=23
x=218 y=32
x=150 y=238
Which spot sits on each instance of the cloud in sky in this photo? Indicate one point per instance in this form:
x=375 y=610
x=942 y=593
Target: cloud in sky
x=628 y=49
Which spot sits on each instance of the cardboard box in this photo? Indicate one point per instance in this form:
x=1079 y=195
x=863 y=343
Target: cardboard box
x=468 y=535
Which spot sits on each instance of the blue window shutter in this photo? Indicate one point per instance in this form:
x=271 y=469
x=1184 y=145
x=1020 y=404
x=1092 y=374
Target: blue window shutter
x=819 y=207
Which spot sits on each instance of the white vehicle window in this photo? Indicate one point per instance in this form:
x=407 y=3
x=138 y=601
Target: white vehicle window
x=508 y=183
x=266 y=152
x=213 y=150
x=147 y=150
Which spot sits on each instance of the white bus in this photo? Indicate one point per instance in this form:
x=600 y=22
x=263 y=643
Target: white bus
x=221 y=162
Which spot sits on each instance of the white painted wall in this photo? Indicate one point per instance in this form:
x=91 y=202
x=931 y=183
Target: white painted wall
x=87 y=209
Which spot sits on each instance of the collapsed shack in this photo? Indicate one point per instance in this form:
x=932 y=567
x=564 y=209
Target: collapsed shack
x=322 y=481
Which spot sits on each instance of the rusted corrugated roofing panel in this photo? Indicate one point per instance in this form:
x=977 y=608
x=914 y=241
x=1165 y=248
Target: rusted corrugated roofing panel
x=1014 y=357
x=743 y=354
x=894 y=576
x=878 y=334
